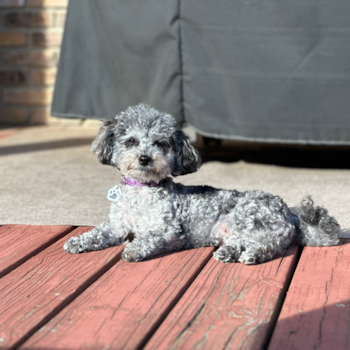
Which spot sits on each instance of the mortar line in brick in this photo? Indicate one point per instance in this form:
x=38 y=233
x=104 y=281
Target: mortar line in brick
x=13 y=30
x=44 y=16
x=22 y=10
x=48 y=29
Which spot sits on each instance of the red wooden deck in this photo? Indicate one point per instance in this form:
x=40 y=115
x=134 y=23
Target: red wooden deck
x=184 y=300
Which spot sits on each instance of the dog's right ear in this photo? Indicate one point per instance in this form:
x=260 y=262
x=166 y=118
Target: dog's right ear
x=103 y=143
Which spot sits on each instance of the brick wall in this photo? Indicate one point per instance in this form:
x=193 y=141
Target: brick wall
x=30 y=37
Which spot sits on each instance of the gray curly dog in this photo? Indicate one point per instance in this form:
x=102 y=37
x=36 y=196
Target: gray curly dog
x=151 y=214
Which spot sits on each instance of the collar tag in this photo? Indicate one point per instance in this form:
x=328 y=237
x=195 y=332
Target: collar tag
x=114 y=193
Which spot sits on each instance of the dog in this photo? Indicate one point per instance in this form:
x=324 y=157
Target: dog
x=151 y=214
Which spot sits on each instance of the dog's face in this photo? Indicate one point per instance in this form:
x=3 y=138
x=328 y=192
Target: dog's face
x=144 y=144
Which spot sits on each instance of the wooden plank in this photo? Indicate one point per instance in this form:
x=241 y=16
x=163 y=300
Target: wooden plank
x=316 y=312
x=20 y=242
x=37 y=290
x=232 y=306
x=125 y=306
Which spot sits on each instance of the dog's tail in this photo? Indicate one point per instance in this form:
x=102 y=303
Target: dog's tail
x=314 y=227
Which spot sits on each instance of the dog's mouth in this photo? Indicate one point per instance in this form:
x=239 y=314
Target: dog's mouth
x=156 y=169
x=146 y=168
x=142 y=169
x=139 y=167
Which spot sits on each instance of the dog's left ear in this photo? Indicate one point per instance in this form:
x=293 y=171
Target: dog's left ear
x=103 y=143
x=187 y=159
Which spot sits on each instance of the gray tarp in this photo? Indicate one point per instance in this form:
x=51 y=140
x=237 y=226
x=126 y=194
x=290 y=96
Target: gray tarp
x=266 y=70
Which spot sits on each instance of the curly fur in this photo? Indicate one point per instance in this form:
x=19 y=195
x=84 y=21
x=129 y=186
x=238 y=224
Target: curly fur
x=250 y=227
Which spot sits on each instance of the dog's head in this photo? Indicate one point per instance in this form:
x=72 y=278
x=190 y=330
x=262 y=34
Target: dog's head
x=145 y=145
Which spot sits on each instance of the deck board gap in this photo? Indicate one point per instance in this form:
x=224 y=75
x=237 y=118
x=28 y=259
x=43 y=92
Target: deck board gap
x=281 y=300
x=315 y=312
x=227 y=306
x=36 y=251
x=126 y=305
x=172 y=305
x=68 y=301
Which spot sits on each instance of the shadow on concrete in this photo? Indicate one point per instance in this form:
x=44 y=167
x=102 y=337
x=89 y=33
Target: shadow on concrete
x=305 y=157
x=321 y=157
x=43 y=146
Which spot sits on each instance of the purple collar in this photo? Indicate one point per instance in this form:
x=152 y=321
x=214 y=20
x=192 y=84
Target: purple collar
x=133 y=183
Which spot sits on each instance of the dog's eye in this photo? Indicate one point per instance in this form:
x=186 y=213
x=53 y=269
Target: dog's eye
x=160 y=144
x=131 y=141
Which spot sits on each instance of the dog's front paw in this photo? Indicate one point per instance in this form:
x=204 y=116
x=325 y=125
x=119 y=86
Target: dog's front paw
x=73 y=246
x=132 y=255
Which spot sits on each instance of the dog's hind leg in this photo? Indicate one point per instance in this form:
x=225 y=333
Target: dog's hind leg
x=227 y=254
x=252 y=256
x=246 y=252
x=100 y=237
x=255 y=248
x=229 y=249
x=259 y=227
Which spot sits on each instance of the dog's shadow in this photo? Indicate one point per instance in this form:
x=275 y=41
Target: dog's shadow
x=288 y=252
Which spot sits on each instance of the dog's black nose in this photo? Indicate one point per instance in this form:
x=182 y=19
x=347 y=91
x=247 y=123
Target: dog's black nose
x=145 y=160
